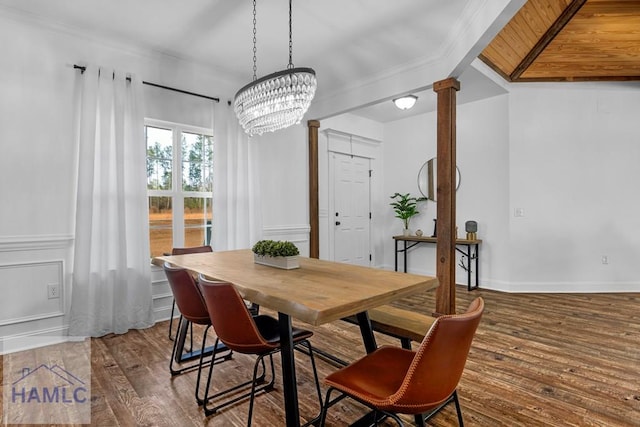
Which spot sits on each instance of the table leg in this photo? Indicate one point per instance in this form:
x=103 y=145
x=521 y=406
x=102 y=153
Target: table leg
x=370 y=345
x=366 y=330
x=181 y=337
x=288 y=371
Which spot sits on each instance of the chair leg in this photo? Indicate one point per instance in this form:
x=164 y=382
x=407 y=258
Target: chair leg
x=395 y=417
x=198 y=365
x=173 y=352
x=325 y=407
x=253 y=383
x=256 y=379
x=201 y=362
x=173 y=309
x=190 y=336
x=307 y=343
x=458 y=410
x=452 y=398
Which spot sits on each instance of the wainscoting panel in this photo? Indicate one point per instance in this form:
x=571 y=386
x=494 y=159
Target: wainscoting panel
x=25 y=291
x=161 y=294
x=297 y=234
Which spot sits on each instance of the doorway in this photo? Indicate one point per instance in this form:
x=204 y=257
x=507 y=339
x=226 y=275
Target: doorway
x=350 y=208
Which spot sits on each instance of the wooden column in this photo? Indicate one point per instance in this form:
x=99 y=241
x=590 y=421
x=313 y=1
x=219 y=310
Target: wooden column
x=314 y=214
x=446 y=196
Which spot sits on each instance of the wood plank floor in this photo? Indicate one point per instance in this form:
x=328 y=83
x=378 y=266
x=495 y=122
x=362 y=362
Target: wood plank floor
x=537 y=360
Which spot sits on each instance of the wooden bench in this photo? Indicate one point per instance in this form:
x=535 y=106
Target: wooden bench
x=403 y=324
x=399 y=323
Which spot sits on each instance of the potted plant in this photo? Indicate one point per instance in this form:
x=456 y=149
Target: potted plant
x=405 y=207
x=280 y=254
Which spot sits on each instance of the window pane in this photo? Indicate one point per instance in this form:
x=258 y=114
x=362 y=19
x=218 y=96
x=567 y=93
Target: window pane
x=160 y=225
x=197 y=161
x=198 y=214
x=159 y=158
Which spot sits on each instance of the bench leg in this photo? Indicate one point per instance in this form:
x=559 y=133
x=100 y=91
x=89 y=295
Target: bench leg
x=406 y=343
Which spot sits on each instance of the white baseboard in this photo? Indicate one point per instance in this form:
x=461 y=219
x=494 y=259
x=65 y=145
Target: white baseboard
x=33 y=339
x=542 y=287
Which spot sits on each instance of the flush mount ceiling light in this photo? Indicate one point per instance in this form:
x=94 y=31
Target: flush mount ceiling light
x=405 y=102
x=278 y=100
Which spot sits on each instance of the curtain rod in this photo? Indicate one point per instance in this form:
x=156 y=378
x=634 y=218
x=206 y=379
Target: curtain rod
x=82 y=69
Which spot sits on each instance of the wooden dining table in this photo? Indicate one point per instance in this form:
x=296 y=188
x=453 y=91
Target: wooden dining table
x=316 y=293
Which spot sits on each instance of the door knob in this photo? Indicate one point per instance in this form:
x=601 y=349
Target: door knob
x=337 y=222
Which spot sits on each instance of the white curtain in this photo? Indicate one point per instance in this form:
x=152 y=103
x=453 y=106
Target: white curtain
x=111 y=284
x=237 y=217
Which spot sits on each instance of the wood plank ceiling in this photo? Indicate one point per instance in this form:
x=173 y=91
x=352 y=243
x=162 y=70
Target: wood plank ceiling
x=569 y=40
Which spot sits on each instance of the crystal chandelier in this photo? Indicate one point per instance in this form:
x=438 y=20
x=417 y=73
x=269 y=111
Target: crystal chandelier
x=278 y=100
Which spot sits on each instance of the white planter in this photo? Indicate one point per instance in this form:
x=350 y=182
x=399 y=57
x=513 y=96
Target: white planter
x=284 y=262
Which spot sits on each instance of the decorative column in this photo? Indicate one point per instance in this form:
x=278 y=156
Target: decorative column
x=314 y=214
x=446 y=196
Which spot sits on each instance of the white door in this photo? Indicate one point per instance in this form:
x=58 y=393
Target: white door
x=351 y=209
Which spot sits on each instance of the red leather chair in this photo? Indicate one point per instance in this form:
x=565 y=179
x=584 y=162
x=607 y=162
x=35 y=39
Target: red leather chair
x=243 y=333
x=394 y=380
x=193 y=309
x=182 y=251
x=253 y=308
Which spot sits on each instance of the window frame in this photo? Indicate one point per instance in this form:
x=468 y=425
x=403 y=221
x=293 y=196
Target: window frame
x=176 y=193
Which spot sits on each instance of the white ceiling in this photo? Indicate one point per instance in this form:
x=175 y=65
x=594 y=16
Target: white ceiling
x=343 y=40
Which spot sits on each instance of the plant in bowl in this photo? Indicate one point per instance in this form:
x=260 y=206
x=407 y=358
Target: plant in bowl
x=281 y=254
x=405 y=207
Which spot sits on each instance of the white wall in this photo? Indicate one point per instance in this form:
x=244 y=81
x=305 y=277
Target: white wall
x=285 y=185
x=37 y=165
x=482 y=157
x=566 y=154
x=574 y=153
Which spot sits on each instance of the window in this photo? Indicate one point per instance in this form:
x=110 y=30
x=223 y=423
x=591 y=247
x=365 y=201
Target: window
x=179 y=185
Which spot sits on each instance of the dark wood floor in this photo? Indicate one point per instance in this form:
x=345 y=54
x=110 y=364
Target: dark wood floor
x=537 y=360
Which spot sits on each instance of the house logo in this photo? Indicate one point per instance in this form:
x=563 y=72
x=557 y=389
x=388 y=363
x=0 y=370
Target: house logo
x=48 y=385
x=47 y=393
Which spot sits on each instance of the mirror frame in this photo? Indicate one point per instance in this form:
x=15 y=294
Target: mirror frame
x=427 y=179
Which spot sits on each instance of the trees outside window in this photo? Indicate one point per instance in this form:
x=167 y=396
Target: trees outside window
x=179 y=185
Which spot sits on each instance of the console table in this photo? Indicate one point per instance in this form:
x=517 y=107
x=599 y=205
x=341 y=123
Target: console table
x=469 y=248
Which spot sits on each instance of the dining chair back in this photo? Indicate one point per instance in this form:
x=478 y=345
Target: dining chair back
x=233 y=324
x=395 y=380
x=184 y=251
x=191 y=250
x=187 y=295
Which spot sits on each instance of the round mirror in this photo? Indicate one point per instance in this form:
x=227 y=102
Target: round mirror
x=428 y=177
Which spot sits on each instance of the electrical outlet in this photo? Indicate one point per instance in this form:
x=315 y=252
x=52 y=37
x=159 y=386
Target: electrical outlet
x=53 y=291
x=605 y=259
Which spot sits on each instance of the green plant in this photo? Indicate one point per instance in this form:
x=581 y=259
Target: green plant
x=405 y=206
x=273 y=248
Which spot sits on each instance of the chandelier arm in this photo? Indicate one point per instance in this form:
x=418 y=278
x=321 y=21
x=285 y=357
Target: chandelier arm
x=255 y=49
x=290 y=37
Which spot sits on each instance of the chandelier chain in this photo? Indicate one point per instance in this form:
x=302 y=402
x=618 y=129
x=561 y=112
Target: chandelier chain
x=278 y=100
x=255 y=50
x=290 y=39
